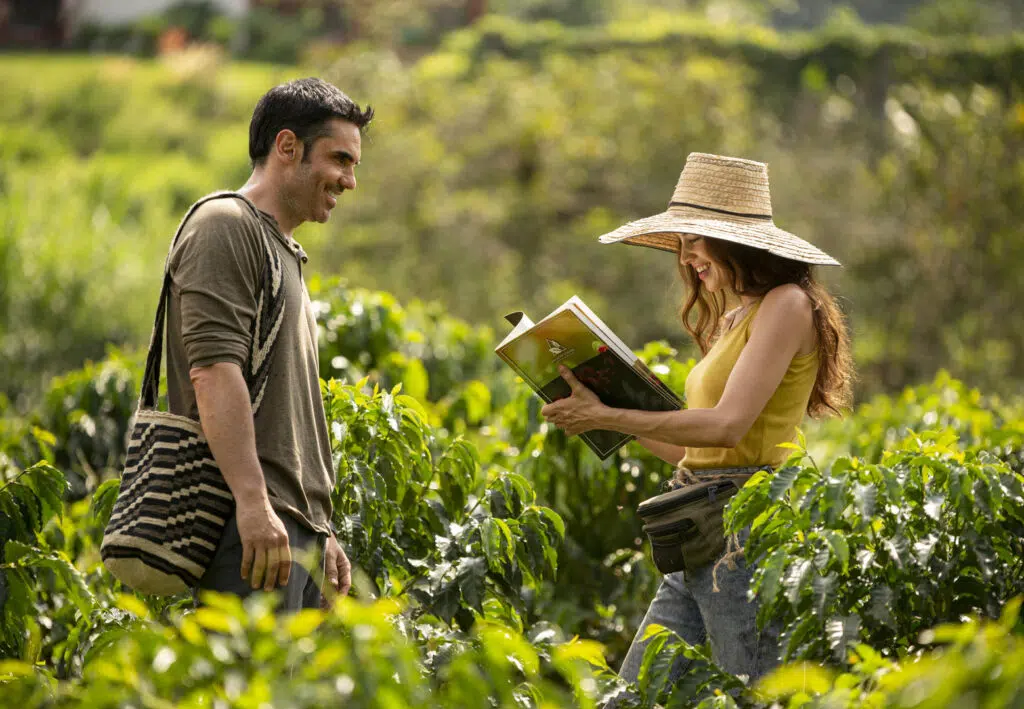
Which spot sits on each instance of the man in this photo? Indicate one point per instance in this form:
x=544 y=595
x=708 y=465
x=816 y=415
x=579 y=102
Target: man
x=304 y=144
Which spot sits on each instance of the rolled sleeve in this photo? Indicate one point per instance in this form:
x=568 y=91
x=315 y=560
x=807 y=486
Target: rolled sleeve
x=215 y=273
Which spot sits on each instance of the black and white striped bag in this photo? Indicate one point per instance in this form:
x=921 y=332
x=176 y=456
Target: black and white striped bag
x=173 y=502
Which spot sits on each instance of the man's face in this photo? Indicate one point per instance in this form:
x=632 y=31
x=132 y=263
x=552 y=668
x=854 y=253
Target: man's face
x=327 y=170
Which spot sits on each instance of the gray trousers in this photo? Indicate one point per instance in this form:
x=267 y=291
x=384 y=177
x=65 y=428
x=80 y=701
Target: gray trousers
x=687 y=605
x=302 y=590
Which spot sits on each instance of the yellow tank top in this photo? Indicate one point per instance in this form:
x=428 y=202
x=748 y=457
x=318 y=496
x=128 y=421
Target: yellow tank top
x=776 y=424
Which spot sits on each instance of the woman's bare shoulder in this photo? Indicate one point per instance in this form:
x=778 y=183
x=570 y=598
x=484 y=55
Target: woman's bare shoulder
x=789 y=298
x=789 y=309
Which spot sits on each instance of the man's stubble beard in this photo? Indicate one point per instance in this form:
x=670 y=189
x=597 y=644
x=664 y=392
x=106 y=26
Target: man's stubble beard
x=299 y=196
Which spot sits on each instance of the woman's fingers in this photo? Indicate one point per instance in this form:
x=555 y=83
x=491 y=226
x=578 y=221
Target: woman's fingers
x=570 y=378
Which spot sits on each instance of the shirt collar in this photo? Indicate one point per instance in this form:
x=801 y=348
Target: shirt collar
x=288 y=242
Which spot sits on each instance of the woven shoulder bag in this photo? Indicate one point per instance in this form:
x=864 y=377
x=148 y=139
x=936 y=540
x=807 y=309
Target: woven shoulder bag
x=173 y=503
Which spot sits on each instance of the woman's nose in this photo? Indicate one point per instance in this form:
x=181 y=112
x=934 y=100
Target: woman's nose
x=685 y=255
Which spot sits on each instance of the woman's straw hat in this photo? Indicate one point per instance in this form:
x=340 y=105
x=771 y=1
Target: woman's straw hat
x=722 y=198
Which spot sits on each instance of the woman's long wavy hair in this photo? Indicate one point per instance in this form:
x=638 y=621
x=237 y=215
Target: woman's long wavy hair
x=754 y=272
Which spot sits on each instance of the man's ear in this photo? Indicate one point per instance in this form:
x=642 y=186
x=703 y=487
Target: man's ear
x=288 y=146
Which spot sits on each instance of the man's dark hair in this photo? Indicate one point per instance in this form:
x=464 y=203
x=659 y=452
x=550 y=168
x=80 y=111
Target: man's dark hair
x=303 y=106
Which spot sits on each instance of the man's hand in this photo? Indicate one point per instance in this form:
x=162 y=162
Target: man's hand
x=226 y=416
x=265 y=550
x=339 y=572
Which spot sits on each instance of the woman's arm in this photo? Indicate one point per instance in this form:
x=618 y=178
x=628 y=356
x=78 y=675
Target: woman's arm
x=780 y=327
x=668 y=452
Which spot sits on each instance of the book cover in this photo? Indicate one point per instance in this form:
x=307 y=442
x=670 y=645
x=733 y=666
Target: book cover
x=594 y=354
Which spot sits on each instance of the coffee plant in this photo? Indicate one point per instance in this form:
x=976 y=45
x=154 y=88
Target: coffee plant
x=498 y=563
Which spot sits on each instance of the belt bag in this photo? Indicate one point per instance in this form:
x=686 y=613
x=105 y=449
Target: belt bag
x=173 y=502
x=685 y=525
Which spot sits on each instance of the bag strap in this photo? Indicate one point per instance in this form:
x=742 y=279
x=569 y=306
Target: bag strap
x=264 y=330
x=684 y=476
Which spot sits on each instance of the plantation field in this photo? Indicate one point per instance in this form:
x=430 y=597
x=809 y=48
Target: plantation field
x=497 y=559
x=493 y=156
x=498 y=563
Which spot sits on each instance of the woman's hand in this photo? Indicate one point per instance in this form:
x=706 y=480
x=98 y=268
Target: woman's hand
x=577 y=413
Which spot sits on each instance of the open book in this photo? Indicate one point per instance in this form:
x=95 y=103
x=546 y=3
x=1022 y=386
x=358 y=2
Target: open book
x=574 y=336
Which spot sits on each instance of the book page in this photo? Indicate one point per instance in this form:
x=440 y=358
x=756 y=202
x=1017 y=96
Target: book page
x=521 y=324
x=605 y=332
x=559 y=339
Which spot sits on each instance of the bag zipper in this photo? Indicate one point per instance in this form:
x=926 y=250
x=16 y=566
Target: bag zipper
x=711 y=492
x=664 y=527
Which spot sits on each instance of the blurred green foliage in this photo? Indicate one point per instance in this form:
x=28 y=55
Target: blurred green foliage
x=510 y=148
x=484 y=540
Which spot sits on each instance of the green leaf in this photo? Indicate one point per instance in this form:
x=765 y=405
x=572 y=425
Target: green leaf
x=102 y=503
x=796 y=635
x=655 y=663
x=589 y=651
x=652 y=630
x=14 y=668
x=865 y=560
x=554 y=520
x=842 y=631
x=796 y=678
x=490 y=539
x=897 y=548
x=866 y=497
x=470 y=574
x=880 y=606
x=215 y=619
x=445 y=602
x=933 y=506
x=772 y=570
x=304 y=622
x=840 y=547
x=477 y=396
x=782 y=482
x=923 y=548
x=797 y=579
x=824 y=586
x=840 y=466
x=415 y=380
x=26 y=557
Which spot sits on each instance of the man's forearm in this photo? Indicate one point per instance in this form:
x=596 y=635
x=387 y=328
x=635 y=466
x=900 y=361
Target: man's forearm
x=226 y=417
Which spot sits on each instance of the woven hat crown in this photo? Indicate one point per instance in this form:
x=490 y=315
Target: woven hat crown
x=731 y=185
x=721 y=198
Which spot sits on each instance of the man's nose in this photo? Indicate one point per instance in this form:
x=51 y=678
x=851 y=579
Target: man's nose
x=348 y=181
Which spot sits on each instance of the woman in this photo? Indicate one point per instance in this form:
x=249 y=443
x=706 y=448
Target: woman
x=781 y=353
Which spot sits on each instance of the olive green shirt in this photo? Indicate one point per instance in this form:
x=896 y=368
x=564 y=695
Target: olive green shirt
x=216 y=268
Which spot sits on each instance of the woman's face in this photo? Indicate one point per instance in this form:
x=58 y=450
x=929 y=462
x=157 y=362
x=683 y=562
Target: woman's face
x=693 y=252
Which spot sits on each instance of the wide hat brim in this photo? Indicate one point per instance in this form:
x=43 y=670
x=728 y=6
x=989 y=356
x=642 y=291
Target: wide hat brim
x=662 y=231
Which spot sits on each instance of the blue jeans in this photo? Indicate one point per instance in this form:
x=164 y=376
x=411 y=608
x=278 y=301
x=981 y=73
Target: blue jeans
x=686 y=604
